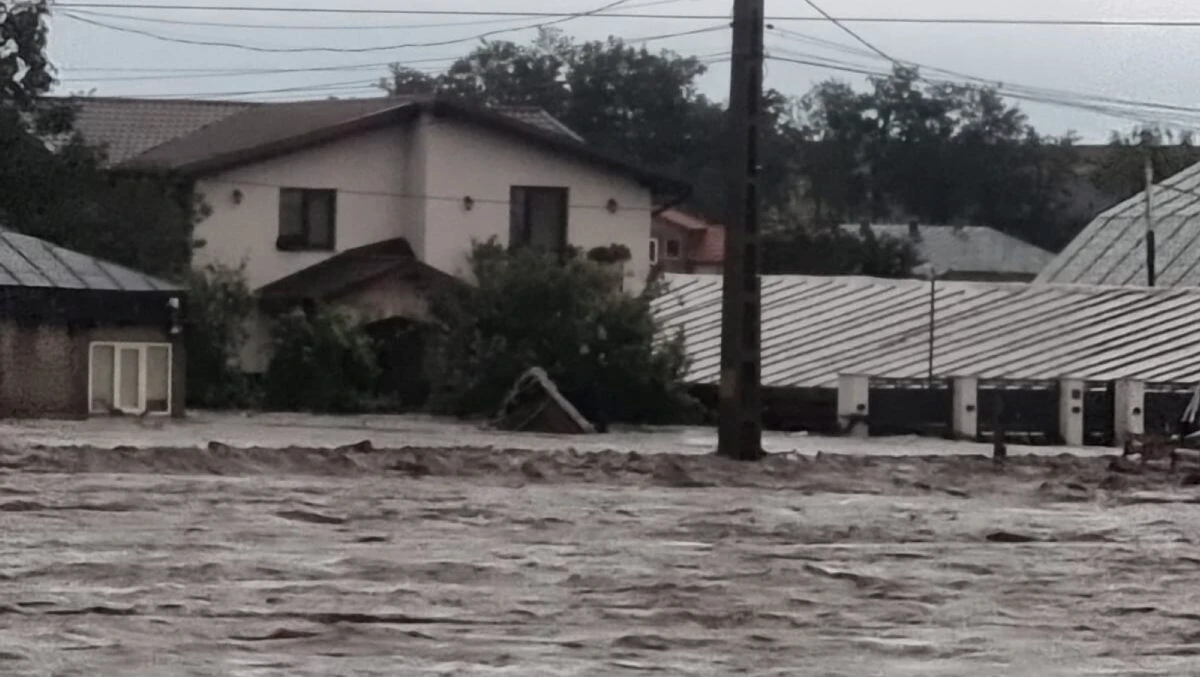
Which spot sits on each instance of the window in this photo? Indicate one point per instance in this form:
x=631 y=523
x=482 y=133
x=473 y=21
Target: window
x=674 y=249
x=307 y=219
x=653 y=251
x=132 y=378
x=538 y=218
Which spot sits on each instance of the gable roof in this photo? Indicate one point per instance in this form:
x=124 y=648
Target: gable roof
x=265 y=131
x=27 y=261
x=967 y=249
x=129 y=127
x=1111 y=250
x=344 y=271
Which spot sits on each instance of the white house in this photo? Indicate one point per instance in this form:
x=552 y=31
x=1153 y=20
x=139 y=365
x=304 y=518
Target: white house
x=348 y=183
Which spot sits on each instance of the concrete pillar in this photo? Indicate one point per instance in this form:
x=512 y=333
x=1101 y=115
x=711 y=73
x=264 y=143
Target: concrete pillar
x=854 y=396
x=1129 y=407
x=1070 y=411
x=965 y=419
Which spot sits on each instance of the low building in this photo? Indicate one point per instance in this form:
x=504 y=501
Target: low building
x=81 y=336
x=967 y=253
x=683 y=243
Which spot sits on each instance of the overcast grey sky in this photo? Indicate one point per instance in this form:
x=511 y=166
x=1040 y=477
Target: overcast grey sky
x=1142 y=63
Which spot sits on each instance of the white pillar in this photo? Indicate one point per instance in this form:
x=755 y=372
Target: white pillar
x=854 y=396
x=1129 y=407
x=1070 y=411
x=966 y=408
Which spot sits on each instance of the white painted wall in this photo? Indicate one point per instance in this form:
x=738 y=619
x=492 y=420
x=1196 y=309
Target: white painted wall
x=368 y=170
x=465 y=160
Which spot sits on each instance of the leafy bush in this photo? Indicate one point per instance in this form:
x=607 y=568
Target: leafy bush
x=530 y=309
x=321 y=361
x=218 y=305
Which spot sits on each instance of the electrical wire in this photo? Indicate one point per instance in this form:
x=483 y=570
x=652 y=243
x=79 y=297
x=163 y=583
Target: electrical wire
x=981 y=21
x=849 y=31
x=340 y=50
x=325 y=27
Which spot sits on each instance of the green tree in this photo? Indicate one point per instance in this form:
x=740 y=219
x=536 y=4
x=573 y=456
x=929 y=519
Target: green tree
x=321 y=361
x=53 y=186
x=635 y=103
x=218 y=305
x=937 y=153
x=1122 y=172
x=829 y=250
x=597 y=344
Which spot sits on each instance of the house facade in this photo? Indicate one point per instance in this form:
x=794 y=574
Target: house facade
x=684 y=243
x=291 y=186
x=81 y=336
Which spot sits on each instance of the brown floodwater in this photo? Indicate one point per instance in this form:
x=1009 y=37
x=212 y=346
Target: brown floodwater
x=163 y=563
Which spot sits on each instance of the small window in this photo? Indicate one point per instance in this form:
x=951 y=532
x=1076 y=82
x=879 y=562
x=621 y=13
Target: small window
x=538 y=218
x=653 y=251
x=131 y=378
x=674 y=249
x=307 y=219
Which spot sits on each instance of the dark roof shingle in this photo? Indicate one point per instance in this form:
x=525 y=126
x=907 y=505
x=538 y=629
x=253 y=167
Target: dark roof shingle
x=130 y=127
x=27 y=261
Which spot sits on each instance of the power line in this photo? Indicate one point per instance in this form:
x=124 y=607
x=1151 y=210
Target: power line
x=848 y=30
x=359 y=50
x=563 y=18
x=967 y=21
x=323 y=27
x=1123 y=106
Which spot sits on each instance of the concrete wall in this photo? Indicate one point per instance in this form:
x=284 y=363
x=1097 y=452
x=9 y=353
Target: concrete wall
x=464 y=160
x=369 y=172
x=44 y=367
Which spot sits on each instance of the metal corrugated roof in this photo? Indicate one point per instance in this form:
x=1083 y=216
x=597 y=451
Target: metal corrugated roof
x=1111 y=250
x=967 y=249
x=815 y=328
x=26 y=261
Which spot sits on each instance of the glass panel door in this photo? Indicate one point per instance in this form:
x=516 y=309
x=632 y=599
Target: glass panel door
x=129 y=380
x=158 y=379
x=103 y=373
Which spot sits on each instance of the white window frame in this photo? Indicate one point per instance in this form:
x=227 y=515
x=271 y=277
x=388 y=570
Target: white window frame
x=653 y=250
x=143 y=348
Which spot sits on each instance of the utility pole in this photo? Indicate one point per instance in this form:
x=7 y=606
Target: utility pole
x=1147 y=142
x=740 y=433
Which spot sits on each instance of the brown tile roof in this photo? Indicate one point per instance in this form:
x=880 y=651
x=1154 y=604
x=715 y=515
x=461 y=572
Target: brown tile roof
x=267 y=130
x=333 y=276
x=263 y=131
x=130 y=127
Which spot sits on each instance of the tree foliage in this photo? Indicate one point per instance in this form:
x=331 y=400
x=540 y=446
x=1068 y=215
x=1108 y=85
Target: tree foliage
x=596 y=343
x=630 y=101
x=54 y=186
x=219 y=303
x=322 y=362
x=936 y=153
x=830 y=250
x=1123 y=172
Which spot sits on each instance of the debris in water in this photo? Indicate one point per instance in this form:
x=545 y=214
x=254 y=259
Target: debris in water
x=535 y=405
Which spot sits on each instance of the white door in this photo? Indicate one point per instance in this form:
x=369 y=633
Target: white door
x=132 y=378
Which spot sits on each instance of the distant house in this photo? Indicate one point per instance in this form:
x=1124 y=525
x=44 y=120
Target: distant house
x=82 y=336
x=683 y=243
x=968 y=253
x=1112 y=250
x=310 y=194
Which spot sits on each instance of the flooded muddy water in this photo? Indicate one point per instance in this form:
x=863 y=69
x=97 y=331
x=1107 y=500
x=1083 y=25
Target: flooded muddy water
x=163 y=563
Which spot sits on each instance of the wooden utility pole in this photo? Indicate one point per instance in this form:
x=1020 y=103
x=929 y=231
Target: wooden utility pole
x=1151 y=275
x=740 y=434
